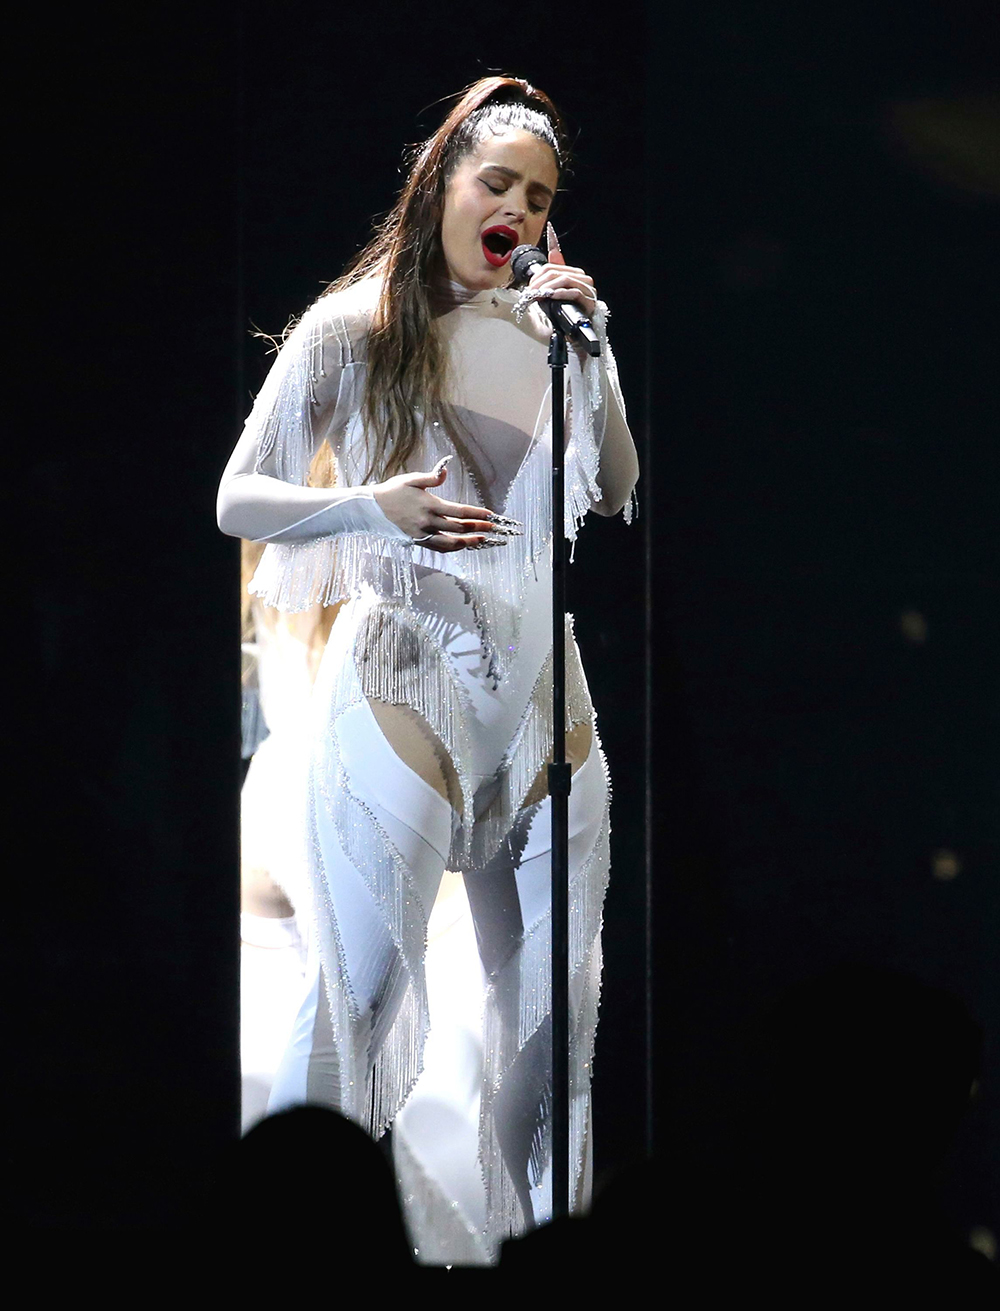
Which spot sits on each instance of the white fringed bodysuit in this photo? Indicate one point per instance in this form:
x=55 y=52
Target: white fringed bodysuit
x=464 y=639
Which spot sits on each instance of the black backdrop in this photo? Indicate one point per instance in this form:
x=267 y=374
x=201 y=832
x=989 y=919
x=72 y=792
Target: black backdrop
x=825 y=457
x=799 y=631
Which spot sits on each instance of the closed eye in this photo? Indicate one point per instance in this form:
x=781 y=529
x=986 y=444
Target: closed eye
x=499 y=191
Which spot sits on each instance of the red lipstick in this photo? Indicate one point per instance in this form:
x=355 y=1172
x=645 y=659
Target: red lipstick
x=498 y=241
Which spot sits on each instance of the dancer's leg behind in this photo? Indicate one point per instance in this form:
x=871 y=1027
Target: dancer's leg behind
x=418 y=822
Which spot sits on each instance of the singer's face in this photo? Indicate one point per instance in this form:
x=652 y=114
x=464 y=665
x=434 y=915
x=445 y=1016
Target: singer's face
x=498 y=197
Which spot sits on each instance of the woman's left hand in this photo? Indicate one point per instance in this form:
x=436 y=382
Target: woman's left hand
x=561 y=281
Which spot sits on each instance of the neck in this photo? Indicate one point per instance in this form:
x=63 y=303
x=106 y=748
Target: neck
x=447 y=292
x=459 y=290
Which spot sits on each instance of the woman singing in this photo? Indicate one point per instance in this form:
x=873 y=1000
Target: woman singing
x=431 y=711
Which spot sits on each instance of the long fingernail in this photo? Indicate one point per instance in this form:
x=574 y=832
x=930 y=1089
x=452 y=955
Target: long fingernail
x=508 y=530
x=504 y=519
x=490 y=541
x=442 y=462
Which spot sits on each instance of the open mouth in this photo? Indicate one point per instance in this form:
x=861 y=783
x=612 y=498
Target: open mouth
x=498 y=242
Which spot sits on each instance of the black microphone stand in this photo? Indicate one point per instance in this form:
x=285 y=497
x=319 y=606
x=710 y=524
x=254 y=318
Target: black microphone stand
x=559 y=780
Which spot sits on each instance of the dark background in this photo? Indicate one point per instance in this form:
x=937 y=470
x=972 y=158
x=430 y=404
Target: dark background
x=793 y=220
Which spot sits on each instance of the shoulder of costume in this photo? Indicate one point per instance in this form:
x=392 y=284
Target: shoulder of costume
x=344 y=316
x=348 y=311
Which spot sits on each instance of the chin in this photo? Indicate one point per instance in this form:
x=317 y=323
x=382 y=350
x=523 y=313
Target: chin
x=481 y=276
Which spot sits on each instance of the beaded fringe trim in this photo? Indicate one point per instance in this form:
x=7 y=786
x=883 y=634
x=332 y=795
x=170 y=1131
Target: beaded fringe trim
x=288 y=394
x=439 y=1233
x=373 y=1091
x=529 y=749
x=518 y=1005
x=381 y=1065
x=293 y=577
x=297 y=575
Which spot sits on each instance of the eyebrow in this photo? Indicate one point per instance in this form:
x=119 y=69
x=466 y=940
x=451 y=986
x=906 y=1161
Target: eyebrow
x=514 y=176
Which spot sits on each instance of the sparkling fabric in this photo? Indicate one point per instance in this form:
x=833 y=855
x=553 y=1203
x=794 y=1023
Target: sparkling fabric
x=464 y=640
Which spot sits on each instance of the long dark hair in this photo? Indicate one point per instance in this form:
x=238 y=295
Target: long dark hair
x=405 y=362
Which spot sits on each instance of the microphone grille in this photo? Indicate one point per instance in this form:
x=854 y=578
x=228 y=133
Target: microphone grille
x=523 y=259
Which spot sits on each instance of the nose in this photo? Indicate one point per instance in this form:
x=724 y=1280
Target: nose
x=514 y=210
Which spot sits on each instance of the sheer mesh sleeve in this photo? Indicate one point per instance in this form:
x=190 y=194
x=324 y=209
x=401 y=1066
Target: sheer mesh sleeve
x=308 y=395
x=618 y=469
x=601 y=462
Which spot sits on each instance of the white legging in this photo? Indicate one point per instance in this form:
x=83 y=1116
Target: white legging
x=438 y=1123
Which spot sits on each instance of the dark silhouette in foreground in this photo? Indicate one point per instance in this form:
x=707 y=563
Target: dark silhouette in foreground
x=823 y=1189
x=310 y=1180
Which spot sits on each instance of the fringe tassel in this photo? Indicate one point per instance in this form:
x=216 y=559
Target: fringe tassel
x=373 y=1089
x=530 y=748
x=282 y=412
x=518 y=1004
x=339 y=999
x=283 y=408
x=439 y=1233
x=297 y=575
x=399 y=662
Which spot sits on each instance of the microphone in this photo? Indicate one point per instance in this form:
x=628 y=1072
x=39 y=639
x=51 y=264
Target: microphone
x=564 y=315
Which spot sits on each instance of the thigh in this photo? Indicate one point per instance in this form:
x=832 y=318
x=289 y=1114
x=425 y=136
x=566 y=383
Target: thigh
x=514 y=890
x=510 y=894
x=418 y=747
x=369 y=955
x=588 y=802
x=382 y=885
x=579 y=743
x=415 y=818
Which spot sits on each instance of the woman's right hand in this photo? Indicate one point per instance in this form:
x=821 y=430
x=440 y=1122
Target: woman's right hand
x=437 y=524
